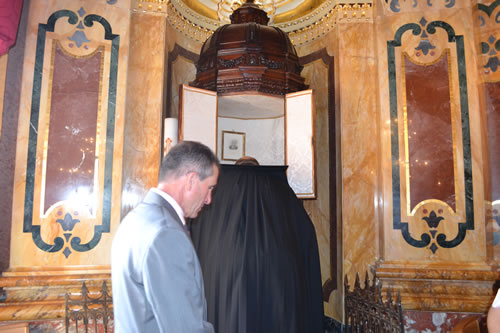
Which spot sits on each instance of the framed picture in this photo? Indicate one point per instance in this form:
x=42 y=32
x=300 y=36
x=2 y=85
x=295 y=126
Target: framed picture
x=233 y=145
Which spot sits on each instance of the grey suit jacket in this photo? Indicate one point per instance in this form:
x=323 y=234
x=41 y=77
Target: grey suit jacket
x=156 y=276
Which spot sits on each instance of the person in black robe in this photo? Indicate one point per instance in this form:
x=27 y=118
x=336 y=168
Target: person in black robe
x=259 y=255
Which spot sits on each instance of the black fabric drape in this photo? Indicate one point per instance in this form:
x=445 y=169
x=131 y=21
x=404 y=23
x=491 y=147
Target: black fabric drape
x=259 y=255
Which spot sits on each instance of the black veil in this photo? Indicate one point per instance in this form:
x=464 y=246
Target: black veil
x=259 y=255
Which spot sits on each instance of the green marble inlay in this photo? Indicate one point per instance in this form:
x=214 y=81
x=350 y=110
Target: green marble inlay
x=425 y=238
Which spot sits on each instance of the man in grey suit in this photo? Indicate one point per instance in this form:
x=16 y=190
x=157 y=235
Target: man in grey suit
x=156 y=276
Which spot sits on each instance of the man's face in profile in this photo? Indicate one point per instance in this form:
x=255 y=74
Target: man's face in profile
x=201 y=193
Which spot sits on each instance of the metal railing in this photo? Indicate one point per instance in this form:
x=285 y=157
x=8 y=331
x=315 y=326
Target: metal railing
x=88 y=312
x=366 y=311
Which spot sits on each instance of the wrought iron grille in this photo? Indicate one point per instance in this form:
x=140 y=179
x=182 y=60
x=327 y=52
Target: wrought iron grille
x=89 y=313
x=366 y=311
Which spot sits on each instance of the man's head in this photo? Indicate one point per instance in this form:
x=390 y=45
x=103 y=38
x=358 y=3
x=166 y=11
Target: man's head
x=189 y=173
x=247 y=160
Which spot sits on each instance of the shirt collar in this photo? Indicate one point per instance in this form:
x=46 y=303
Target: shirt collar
x=172 y=202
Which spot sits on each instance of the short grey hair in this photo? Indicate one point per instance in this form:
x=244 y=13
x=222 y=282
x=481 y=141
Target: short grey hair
x=185 y=157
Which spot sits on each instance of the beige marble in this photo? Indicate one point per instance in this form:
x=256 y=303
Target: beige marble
x=415 y=266
x=395 y=247
x=36 y=297
x=143 y=122
x=365 y=236
x=359 y=149
x=21 y=243
x=487 y=76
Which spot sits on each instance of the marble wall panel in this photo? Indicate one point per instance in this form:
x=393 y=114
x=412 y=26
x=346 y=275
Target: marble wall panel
x=8 y=135
x=72 y=135
x=489 y=71
x=428 y=133
x=463 y=91
x=418 y=271
x=110 y=32
x=492 y=193
x=359 y=134
x=143 y=124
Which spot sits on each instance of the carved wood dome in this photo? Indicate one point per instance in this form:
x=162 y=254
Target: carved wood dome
x=249 y=56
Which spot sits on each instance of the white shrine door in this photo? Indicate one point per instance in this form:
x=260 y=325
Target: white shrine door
x=198 y=121
x=198 y=116
x=299 y=143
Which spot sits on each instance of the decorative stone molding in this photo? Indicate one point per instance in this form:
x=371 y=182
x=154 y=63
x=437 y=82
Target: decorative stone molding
x=197 y=31
x=301 y=31
x=457 y=288
x=38 y=295
x=150 y=6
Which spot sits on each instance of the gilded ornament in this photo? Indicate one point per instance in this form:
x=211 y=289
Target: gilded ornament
x=320 y=16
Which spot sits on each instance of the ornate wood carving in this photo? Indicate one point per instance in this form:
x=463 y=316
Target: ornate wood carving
x=248 y=55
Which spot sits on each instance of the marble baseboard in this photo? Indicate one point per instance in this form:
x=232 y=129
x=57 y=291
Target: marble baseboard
x=423 y=321
x=460 y=288
x=31 y=296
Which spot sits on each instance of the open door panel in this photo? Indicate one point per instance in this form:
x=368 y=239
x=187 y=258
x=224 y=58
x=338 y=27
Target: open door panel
x=299 y=143
x=198 y=116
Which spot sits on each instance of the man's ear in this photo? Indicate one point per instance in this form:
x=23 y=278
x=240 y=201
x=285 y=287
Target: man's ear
x=190 y=179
